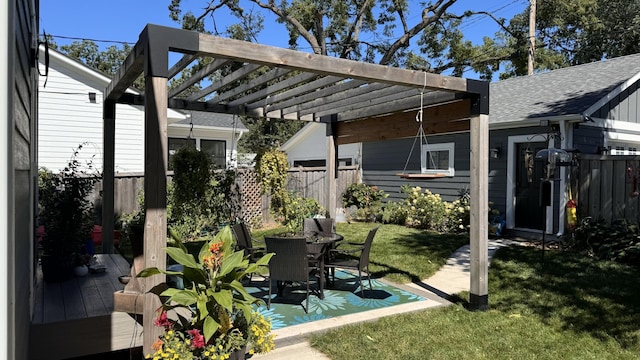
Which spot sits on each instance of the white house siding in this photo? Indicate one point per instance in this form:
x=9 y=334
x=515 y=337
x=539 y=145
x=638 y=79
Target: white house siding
x=311 y=144
x=67 y=119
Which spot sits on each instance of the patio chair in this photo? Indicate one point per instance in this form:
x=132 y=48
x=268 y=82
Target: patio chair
x=337 y=258
x=290 y=263
x=245 y=242
x=319 y=226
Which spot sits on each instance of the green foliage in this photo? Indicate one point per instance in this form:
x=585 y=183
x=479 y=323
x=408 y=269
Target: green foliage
x=367 y=199
x=425 y=209
x=192 y=177
x=218 y=305
x=619 y=241
x=395 y=213
x=295 y=209
x=64 y=206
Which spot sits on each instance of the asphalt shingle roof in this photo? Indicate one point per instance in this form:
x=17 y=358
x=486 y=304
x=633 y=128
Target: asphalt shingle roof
x=202 y=118
x=565 y=91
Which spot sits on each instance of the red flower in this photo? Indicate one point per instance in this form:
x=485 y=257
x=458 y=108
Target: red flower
x=163 y=320
x=197 y=340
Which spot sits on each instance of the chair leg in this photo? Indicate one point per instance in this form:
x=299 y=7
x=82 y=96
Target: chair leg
x=269 y=299
x=306 y=309
x=369 y=277
x=360 y=279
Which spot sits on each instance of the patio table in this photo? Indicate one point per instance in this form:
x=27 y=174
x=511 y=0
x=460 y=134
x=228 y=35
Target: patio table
x=318 y=247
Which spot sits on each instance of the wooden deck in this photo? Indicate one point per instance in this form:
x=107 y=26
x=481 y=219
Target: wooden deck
x=76 y=317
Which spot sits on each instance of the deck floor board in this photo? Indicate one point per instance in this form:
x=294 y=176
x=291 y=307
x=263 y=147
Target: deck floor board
x=76 y=318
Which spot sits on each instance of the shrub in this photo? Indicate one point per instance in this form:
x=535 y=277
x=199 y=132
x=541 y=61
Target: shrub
x=295 y=209
x=425 y=209
x=395 y=213
x=619 y=241
x=367 y=199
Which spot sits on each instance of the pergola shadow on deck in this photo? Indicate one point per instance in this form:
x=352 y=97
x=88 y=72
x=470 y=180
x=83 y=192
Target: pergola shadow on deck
x=357 y=101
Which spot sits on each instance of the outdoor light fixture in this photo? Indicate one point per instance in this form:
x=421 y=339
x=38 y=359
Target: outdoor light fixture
x=495 y=152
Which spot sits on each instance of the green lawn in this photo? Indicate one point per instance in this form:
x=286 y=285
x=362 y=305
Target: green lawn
x=572 y=308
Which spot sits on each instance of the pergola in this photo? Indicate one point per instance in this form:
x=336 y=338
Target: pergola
x=357 y=101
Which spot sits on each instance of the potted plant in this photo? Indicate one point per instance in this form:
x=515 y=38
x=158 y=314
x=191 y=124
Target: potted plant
x=66 y=212
x=213 y=316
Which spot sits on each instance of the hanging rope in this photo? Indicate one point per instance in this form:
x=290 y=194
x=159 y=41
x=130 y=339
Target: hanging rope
x=190 y=136
x=421 y=134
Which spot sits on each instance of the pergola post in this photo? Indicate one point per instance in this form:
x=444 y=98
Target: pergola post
x=108 y=172
x=478 y=297
x=155 y=187
x=331 y=163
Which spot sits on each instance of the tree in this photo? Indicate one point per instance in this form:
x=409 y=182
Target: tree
x=265 y=134
x=344 y=28
x=574 y=32
x=107 y=61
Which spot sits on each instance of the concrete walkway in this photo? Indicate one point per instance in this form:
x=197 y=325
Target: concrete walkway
x=452 y=278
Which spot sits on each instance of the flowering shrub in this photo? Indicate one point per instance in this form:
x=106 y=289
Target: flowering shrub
x=213 y=315
x=424 y=209
x=458 y=214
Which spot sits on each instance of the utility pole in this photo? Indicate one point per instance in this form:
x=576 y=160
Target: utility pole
x=532 y=35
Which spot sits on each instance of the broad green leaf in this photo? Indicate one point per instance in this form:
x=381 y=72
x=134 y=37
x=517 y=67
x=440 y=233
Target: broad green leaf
x=182 y=257
x=184 y=297
x=202 y=306
x=237 y=286
x=198 y=276
x=224 y=298
x=148 y=272
x=210 y=327
x=174 y=235
x=231 y=262
x=264 y=260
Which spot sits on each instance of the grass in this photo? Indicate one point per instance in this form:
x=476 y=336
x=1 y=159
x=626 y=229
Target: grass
x=572 y=308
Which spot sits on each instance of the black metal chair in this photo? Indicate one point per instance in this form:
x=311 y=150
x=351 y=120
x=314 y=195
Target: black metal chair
x=290 y=263
x=337 y=258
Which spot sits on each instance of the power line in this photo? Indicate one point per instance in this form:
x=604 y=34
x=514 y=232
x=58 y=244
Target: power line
x=88 y=39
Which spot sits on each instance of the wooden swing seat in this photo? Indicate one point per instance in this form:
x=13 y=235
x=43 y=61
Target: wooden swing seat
x=420 y=176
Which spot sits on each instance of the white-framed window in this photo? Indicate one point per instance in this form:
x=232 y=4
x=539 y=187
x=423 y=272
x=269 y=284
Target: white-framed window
x=438 y=159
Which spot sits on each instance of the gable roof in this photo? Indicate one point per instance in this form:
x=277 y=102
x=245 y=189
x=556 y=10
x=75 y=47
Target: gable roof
x=567 y=91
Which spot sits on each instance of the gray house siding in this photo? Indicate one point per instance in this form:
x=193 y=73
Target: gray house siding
x=588 y=139
x=623 y=107
x=383 y=160
x=23 y=116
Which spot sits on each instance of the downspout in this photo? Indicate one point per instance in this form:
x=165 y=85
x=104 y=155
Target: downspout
x=566 y=141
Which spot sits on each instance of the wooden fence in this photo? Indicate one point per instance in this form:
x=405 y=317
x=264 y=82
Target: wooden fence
x=308 y=182
x=608 y=187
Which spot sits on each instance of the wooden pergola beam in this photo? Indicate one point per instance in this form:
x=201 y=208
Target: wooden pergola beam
x=452 y=117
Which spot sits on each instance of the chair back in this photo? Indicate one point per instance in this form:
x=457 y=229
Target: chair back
x=289 y=262
x=319 y=226
x=364 y=255
x=241 y=236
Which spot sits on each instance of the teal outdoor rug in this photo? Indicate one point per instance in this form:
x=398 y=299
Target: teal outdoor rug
x=341 y=298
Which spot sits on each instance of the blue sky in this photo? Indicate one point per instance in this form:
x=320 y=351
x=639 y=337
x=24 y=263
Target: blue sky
x=120 y=20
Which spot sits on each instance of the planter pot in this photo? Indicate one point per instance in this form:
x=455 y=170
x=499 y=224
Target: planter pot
x=57 y=268
x=81 y=270
x=238 y=354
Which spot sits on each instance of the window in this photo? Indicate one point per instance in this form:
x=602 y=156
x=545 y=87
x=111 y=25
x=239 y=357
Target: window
x=321 y=162
x=217 y=150
x=438 y=159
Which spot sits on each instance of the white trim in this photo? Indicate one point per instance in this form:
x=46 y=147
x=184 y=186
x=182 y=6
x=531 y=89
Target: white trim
x=449 y=146
x=615 y=92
